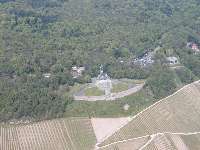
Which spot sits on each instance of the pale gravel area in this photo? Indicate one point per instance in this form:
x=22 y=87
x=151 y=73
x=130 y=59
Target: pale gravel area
x=105 y=127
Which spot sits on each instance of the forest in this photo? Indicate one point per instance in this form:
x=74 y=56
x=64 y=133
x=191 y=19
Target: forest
x=51 y=36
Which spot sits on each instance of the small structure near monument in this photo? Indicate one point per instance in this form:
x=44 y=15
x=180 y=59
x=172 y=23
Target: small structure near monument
x=77 y=71
x=172 y=60
x=126 y=107
x=103 y=82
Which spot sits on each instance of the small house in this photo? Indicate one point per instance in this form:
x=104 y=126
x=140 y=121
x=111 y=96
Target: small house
x=47 y=75
x=172 y=60
x=194 y=47
x=77 y=71
x=146 y=59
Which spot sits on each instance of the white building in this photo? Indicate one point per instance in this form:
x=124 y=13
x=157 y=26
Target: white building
x=77 y=71
x=47 y=75
x=172 y=60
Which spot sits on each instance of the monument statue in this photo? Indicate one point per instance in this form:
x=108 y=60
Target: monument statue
x=104 y=82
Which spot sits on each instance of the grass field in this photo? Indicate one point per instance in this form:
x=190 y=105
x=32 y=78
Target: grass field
x=119 y=87
x=60 y=134
x=137 y=102
x=76 y=88
x=177 y=113
x=132 y=81
x=93 y=91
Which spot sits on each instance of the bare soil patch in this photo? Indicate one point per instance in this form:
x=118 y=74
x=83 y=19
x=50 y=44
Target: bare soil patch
x=104 y=127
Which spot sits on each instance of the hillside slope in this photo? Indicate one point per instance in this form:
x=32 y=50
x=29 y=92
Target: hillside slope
x=178 y=113
x=171 y=123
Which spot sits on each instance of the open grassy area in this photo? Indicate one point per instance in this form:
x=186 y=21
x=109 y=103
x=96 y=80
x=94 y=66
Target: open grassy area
x=132 y=81
x=77 y=87
x=93 y=91
x=137 y=102
x=119 y=87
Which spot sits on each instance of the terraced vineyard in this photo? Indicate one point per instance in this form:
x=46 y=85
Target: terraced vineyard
x=60 y=134
x=192 y=141
x=130 y=144
x=160 y=141
x=178 y=113
x=174 y=142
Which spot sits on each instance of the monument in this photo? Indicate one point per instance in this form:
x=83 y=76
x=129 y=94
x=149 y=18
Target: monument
x=103 y=82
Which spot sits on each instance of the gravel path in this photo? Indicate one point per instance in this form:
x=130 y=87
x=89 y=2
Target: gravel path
x=113 y=96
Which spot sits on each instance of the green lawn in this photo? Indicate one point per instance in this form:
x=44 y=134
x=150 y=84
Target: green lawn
x=93 y=91
x=137 y=102
x=119 y=87
x=132 y=81
x=77 y=87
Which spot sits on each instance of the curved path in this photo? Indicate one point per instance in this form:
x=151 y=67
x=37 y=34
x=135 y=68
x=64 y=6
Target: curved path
x=113 y=96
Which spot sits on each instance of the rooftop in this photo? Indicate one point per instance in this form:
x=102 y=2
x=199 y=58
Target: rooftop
x=172 y=58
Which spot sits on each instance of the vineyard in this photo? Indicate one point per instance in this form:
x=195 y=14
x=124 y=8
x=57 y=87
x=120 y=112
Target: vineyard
x=61 y=134
x=160 y=141
x=192 y=141
x=130 y=144
x=175 y=142
x=177 y=113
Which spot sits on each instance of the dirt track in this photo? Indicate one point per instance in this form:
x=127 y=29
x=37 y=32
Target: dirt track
x=104 y=127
